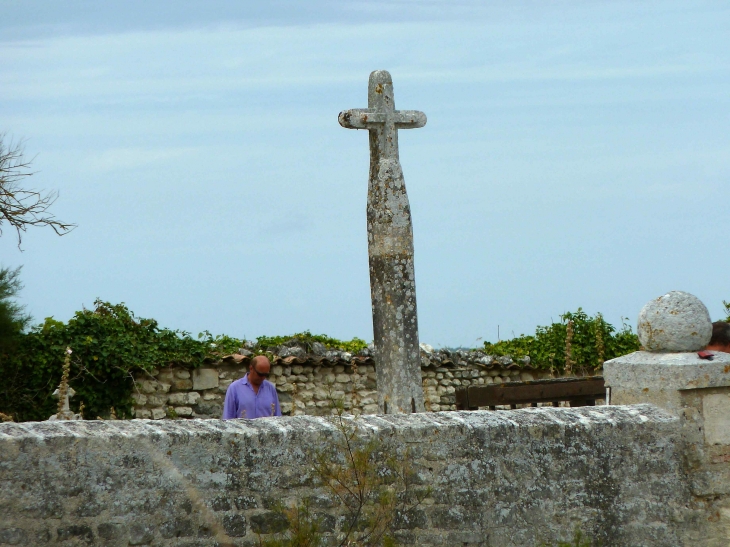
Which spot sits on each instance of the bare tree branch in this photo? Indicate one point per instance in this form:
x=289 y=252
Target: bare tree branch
x=21 y=207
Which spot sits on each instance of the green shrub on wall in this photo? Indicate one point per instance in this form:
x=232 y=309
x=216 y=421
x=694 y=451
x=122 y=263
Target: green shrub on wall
x=578 y=340
x=109 y=346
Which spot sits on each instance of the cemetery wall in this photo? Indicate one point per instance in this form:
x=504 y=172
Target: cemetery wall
x=306 y=381
x=498 y=479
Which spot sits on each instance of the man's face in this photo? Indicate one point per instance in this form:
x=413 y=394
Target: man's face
x=259 y=371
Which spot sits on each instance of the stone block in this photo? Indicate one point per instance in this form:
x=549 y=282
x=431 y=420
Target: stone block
x=156 y=400
x=235 y=525
x=111 y=532
x=166 y=377
x=189 y=398
x=527 y=376
x=270 y=522
x=182 y=385
x=184 y=411
x=205 y=378
x=158 y=413
x=716 y=413
x=147 y=386
x=13 y=536
x=180 y=527
x=75 y=532
x=142 y=414
x=182 y=374
x=139 y=399
x=211 y=409
x=140 y=533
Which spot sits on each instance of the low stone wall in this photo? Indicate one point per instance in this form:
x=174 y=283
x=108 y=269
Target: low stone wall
x=507 y=479
x=305 y=383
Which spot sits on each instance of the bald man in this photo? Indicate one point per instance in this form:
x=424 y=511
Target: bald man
x=252 y=396
x=720 y=340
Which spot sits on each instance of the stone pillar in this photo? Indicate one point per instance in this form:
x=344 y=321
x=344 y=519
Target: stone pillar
x=671 y=374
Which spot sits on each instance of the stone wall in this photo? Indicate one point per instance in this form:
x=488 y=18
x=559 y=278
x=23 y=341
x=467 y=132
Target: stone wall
x=507 y=479
x=306 y=381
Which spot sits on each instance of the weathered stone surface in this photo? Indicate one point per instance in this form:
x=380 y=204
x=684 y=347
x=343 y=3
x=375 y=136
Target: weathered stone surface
x=390 y=248
x=697 y=391
x=659 y=378
x=514 y=478
x=677 y=321
x=205 y=378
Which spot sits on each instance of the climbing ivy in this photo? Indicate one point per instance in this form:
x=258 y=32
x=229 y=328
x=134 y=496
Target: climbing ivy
x=593 y=340
x=307 y=340
x=110 y=345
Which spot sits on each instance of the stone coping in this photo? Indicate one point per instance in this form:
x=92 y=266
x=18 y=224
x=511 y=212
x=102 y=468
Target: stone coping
x=668 y=371
x=582 y=418
x=434 y=358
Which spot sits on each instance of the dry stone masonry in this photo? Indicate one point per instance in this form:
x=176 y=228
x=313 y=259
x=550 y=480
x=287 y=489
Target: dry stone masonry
x=307 y=382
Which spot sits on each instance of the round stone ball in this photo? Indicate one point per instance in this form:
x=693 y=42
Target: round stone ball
x=676 y=322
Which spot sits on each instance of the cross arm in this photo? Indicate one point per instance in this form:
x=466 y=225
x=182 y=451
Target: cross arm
x=365 y=118
x=409 y=119
x=360 y=118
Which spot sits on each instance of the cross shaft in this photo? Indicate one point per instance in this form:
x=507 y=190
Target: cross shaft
x=390 y=249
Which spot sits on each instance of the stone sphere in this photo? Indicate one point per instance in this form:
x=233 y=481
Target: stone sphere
x=675 y=322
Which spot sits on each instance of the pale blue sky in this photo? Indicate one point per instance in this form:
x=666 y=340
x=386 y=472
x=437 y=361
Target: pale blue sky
x=576 y=154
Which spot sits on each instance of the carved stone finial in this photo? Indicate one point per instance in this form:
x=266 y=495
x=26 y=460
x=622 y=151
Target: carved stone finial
x=676 y=322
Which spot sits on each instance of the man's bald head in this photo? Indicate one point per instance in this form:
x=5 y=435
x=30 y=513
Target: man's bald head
x=260 y=360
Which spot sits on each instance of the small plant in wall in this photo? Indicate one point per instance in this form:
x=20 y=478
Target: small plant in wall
x=372 y=489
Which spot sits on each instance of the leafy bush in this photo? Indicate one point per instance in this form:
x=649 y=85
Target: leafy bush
x=592 y=341
x=307 y=339
x=109 y=346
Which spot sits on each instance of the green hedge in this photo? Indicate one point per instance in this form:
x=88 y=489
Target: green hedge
x=110 y=345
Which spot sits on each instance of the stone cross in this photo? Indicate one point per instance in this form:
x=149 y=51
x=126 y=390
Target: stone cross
x=390 y=249
x=66 y=413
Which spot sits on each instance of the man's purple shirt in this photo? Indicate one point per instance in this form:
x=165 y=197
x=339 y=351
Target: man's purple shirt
x=242 y=402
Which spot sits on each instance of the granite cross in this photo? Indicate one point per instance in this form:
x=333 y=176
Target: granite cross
x=390 y=249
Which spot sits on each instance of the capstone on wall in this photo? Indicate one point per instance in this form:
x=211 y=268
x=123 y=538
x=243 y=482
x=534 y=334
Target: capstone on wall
x=308 y=382
x=498 y=479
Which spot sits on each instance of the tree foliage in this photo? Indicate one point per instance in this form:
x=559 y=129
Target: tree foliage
x=13 y=319
x=21 y=207
x=110 y=345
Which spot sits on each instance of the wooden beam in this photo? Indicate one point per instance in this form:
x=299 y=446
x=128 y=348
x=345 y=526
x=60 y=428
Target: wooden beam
x=578 y=391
